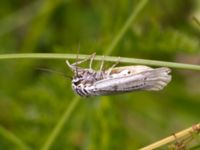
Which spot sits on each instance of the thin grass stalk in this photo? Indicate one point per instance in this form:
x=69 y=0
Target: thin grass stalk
x=63 y=119
x=174 y=137
x=14 y=139
x=35 y=30
x=106 y=58
x=127 y=24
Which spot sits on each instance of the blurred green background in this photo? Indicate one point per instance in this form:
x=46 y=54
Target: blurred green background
x=32 y=101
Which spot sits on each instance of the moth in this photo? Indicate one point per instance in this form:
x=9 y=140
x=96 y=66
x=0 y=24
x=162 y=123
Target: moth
x=88 y=82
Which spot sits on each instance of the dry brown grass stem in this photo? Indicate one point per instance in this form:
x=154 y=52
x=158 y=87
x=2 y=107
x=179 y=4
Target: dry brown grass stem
x=174 y=137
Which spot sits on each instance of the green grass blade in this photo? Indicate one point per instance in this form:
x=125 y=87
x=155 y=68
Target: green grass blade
x=19 y=18
x=36 y=29
x=13 y=138
x=127 y=24
x=68 y=111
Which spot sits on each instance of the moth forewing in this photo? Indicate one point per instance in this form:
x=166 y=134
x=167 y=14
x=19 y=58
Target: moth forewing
x=150 y=80
x=132 y=69
x=128 y=70
x=158 y=80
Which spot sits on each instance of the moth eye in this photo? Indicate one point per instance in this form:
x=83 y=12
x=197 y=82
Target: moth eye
x=129 y=72
x=76 y=81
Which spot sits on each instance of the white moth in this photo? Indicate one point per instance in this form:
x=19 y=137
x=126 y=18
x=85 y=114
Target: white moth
x=88 y=82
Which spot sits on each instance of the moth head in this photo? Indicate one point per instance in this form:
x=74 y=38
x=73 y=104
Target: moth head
x=76 y=79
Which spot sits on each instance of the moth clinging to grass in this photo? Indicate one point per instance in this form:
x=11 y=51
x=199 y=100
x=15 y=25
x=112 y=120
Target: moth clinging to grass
x=88 y=82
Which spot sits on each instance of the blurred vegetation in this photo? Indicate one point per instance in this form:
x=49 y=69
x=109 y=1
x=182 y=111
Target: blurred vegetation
x=32 y=101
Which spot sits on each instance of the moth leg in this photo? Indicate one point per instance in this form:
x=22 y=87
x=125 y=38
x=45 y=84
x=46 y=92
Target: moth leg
x=113 y=66
x=74 y=65
x=86 y=59
x=70 y=65
x=102 y=63
x=91 y=59
x=100 y=73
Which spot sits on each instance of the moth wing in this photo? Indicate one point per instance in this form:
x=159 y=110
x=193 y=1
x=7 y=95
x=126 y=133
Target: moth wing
x=132 y=69
x=149 y=80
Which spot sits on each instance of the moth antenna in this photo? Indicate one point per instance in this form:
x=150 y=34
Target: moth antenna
x=78 y=50
x=54 y=71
